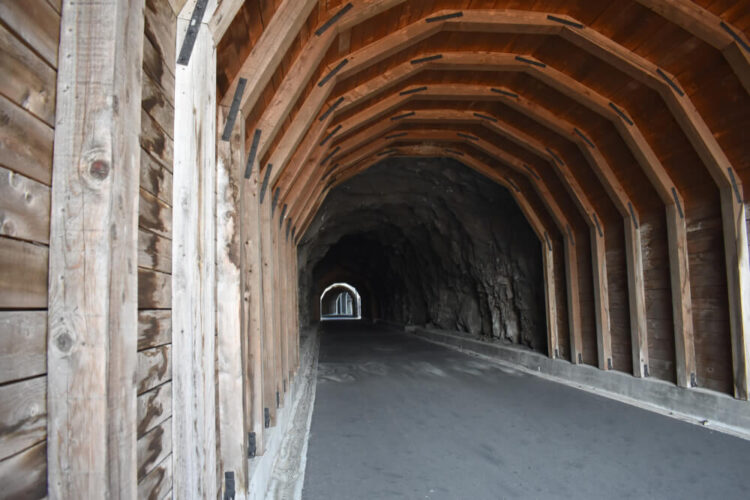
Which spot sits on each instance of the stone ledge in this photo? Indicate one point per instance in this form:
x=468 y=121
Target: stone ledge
x=711 y=409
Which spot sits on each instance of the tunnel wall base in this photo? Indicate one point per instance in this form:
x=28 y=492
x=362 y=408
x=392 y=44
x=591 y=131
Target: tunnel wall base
x=699 y=406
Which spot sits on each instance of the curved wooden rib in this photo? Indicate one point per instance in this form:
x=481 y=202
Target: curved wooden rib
x=652 y=167
x=696 y=130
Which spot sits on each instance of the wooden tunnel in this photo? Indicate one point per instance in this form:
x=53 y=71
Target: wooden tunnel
x=160 y=161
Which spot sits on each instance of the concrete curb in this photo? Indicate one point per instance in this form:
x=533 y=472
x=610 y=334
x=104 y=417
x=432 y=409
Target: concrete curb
x=698 y=406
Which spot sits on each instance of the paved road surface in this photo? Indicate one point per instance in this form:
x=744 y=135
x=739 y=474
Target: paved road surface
x=398 y=417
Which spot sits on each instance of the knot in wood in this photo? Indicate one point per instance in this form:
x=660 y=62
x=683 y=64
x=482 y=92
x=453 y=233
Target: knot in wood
x=99 y=169
x=64 y=342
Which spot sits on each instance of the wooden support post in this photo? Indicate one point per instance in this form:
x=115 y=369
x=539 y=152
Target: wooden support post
x=252 y=286
x=738 y=282
x=231 y=338
x=270 y=344
x=636 y=296
x=601 y=299
x=93 y=317
x=278 y=307
x=193 y=278
x=681 y=297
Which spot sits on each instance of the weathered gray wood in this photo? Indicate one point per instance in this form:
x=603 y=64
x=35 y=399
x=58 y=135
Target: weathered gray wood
x=154 y=407
x=25 y=475
x=160 y=27
x=252 y=286
x=23 y=415
x=158 y=105
x=27 y=80
x=93 y=258
x=155 y=141
x=157 y=68
x=154 y=252
x=156 y=179
x=154 y=328
x=23 y=275
x=24 y=207
x=153 y=447
x=270 y=380
x=157 y=483
x=154 y=290
x=154 y=215
x=23 y=344
x=154 y=367
x=193 y=292
x=230 y=357
x=36 y=23
x=25 y=142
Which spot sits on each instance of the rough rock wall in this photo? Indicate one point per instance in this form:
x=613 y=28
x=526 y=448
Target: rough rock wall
x=428 y=242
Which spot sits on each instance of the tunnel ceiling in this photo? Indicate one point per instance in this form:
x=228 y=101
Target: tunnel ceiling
x=620 y=128
x=429 y=241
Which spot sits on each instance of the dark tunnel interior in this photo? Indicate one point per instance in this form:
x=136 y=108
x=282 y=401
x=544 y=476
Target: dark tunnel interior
x=428 y=242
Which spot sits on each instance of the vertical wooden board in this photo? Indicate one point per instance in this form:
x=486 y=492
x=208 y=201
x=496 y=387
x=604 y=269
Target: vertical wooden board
x=154 y=447
x=25 y=142
x=154 y=367
x=154 y=328
x=155 y=178
x=93 y=313
x=193 y=293
x=24 y=476
x=23 y=275
x=27 y=80
x=253 y=300
x=230 y=360
x=154 y=407
x=23 y=415
x=269 y=328
x=154 y=290
x=277 y=302
x=154 y=252
x=157 y=483
x=23 y=344
x=158 y=105
x=36 y=23
x=24 y=207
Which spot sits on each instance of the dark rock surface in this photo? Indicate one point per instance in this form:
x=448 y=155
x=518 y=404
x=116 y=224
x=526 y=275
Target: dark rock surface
x=428 y=242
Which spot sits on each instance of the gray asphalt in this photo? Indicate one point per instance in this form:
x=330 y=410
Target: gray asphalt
x=399 y=417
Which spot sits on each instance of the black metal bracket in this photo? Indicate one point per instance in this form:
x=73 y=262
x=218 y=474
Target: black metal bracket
x=264 y=186
x=192 y=32
x=333 y=72
x=266 y=418
x=427 y=59
x=331 y=134
x=331 y=109
x=504 y=92
x=253 y=152
x=346 y=8
x=252 y=446
x=444 y=17
x=413 y=91
x=234 y=109
x=229 y=488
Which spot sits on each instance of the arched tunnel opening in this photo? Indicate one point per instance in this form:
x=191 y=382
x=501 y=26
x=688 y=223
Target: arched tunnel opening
x=340 y=301
x=430 y=242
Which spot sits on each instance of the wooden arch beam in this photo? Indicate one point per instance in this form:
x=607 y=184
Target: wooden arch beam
x=738 y=267
x=733 y=214
x=665 y=187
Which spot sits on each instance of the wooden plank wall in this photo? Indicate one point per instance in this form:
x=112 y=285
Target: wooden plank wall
x=29 y=34
x=155 y=253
